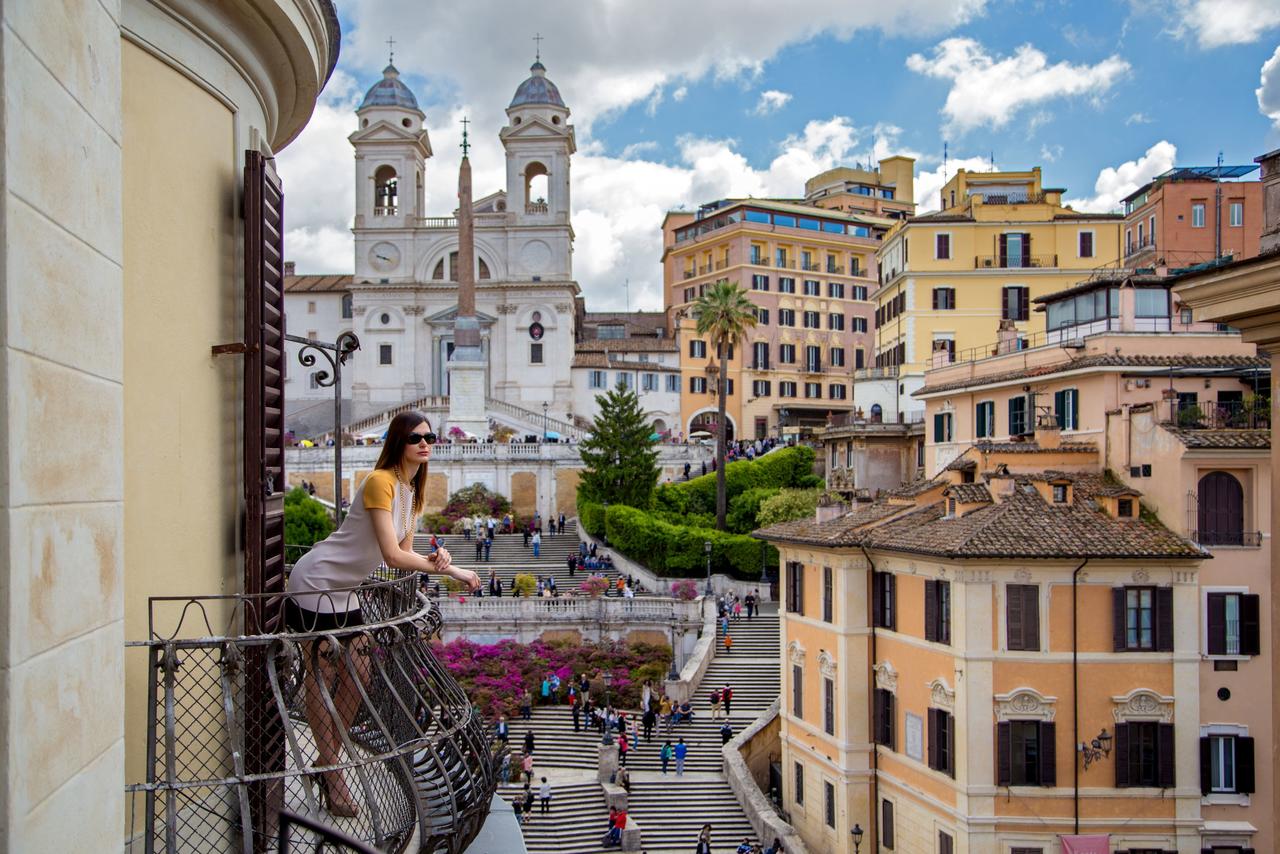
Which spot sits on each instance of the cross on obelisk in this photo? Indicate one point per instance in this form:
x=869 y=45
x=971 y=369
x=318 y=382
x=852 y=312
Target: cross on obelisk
x=465 y=144
x=537 y=37
x=391 y=51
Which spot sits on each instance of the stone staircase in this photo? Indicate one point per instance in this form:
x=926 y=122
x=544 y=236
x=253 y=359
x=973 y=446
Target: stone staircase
x=508 y=556
x=670 y=810
x=577 y=821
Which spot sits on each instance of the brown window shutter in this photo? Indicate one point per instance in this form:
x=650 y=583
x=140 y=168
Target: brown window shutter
x=1164 y=619
x=1117 y=618
x=1048 y=754
x=933 y=738
x=1245 y=782
x=892 y=581
x=1004 y=754
x=1031 y=616
x=890 y=721
x=877 y=598
x=1216 y=617
x=1250 y=637
x=949 y=723
x=1013 y=616
x=1165 y=756
x=935 y=299
x=1122 y=756
x=264 y=374
x=1206 y=762
x=930 y=610
x=1004 y=249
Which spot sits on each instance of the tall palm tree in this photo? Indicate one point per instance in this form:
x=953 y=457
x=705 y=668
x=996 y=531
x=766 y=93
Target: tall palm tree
x=724 y=314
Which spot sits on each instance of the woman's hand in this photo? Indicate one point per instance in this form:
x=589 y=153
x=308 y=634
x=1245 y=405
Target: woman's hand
x=466 y=576
x=441 y=558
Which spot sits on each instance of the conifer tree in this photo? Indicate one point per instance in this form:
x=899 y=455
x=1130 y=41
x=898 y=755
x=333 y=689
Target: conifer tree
x=621 y=464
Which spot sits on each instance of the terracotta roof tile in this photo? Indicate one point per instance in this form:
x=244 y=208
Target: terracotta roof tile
x=968 y=493
x=317 y=284
x=1259 y=439
x=915 y=487
x=842 y=531
x=628 y=345
x=1034 y=448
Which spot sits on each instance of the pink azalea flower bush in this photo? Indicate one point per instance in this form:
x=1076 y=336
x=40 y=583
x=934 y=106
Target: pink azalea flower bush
x=495 y=676
x=594 y=585
x=686 y=589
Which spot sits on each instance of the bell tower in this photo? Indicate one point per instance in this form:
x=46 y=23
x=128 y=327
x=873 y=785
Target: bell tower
x=391 y=148
x=539 y=142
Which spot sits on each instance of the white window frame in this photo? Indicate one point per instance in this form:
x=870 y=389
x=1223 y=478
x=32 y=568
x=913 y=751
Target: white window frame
x=648 y=382
x=1232 y=209
x=597 y=379
x=1226 y=798
x=673 y=383
x=1197 y=207
x=699 y=385
x=1204 y=621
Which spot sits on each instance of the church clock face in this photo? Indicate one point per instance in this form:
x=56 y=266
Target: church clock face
x=384 y=257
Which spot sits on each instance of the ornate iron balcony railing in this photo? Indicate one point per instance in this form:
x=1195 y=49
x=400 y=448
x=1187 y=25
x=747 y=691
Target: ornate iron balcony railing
x=230 y=740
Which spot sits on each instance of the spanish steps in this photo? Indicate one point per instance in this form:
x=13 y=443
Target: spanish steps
x=670 y=810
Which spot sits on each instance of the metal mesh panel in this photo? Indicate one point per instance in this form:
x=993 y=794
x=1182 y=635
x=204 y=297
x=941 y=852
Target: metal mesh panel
x=409 y=748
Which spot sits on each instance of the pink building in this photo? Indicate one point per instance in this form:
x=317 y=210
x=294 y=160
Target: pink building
x=1193 y=215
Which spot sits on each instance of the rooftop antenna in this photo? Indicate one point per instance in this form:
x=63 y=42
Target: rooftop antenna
x=993 y=161
x=537 y=37
x=466 y=146
x=391 y=51
x=1217 y=210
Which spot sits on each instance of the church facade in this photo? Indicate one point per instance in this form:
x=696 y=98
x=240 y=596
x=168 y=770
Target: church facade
x=403 y=294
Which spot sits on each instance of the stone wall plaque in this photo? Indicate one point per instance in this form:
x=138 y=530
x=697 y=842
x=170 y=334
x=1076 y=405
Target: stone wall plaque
x=915 y=737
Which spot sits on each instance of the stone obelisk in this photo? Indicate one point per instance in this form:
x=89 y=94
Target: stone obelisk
x=467 y=365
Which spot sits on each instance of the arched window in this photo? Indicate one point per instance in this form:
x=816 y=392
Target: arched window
x=438 y=273
x=1220 y=503
x=877 y=414
x=535 y=188
x=484 y=268
x=386 y=201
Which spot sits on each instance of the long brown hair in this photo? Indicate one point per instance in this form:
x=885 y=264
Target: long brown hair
x=393 y=453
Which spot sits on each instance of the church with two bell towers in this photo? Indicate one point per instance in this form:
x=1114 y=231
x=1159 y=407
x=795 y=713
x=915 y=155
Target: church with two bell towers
x=404 y=291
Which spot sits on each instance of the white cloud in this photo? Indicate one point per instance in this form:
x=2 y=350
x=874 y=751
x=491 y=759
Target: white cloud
x=771 y=100
x=635 y=148
x=1217 y=23
x=1116 y=182
x=988 y=90
x=604 y=57
x=1138 y=119
x=1050 y=153
x=929 y=184
x=1269 y=92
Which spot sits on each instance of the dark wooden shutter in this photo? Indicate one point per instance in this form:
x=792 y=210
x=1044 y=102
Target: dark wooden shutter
x=1245 y=782
x=264 y=373
x=930 y=609
x=1048 y=754
x=935 y=299
x=886 y=824
x=1026 y=253
x=1031 y=616
x=1165 y=756
x=1004 y=754
x=891 y=582
x=1004 y=249
x=1216 y=617
x=1024 y=302
x=1060 y=408
x=1075 y=409
x=1122 y=756
x=877 y=599
x=1250 y=635
x=949 y=724
x=1164 y=619
x=934 y=739
x=1013 y=616
x=1206 y=765
x=1117 y=619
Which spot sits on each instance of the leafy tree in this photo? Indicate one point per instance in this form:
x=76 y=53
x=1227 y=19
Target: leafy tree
x=306 y=521
x=724 y=314
x=523 y=584
x=787 y=505
x=621 y=464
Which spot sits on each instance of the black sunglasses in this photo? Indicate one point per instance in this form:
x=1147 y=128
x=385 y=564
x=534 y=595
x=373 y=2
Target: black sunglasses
x=418 y=438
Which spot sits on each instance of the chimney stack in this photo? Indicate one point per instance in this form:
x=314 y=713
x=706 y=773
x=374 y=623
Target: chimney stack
x=289 y=268
x=829 y=508
x=1006 y=338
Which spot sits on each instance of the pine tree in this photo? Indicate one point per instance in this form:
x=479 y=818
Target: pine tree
x=621 y=464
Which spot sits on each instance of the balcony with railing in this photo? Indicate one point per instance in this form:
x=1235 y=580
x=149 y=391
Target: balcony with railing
x=1146 y=244
x=391 y=210
x=838 y=270
x=1243 y=539
x=810 y=266
x=241 y=730
x=1014 y=262
x=438 y=222
x=1254 y=414
x=535 y=207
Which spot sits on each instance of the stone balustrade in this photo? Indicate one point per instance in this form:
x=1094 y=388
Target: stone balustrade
x=593 y=618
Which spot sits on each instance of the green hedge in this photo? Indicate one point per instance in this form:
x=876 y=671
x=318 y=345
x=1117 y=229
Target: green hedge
x=786 y=467
x=677 y=551
x=591 y=518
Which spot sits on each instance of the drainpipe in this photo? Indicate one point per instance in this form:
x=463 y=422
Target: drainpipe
x=1075 y=694
x=873 y=820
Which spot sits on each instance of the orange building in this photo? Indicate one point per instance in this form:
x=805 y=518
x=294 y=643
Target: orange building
x=809 y=267
x=1193 y=215
x=945 y=649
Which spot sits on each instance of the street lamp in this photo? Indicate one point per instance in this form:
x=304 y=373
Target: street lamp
x=1098 y=749
x=706 y=547
x=544 y=421
x=607 y=738
x=856 y=833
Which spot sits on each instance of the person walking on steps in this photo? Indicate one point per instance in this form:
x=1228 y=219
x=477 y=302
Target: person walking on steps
x=623 y=745
x=728 y=644
x=704 y=840
x=503 y=730
x=726 y=732
x=488 y=544
x=544 y=795
x=682 y=750
x=526 y=705
x=560 y=523
x=665 y=755
x=715 y=703
x=727 y=697
x=479 y=548
x=537 y=542
x=528 y=741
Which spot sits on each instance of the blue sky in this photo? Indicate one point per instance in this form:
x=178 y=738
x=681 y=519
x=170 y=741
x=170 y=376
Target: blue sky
x=676 y=104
